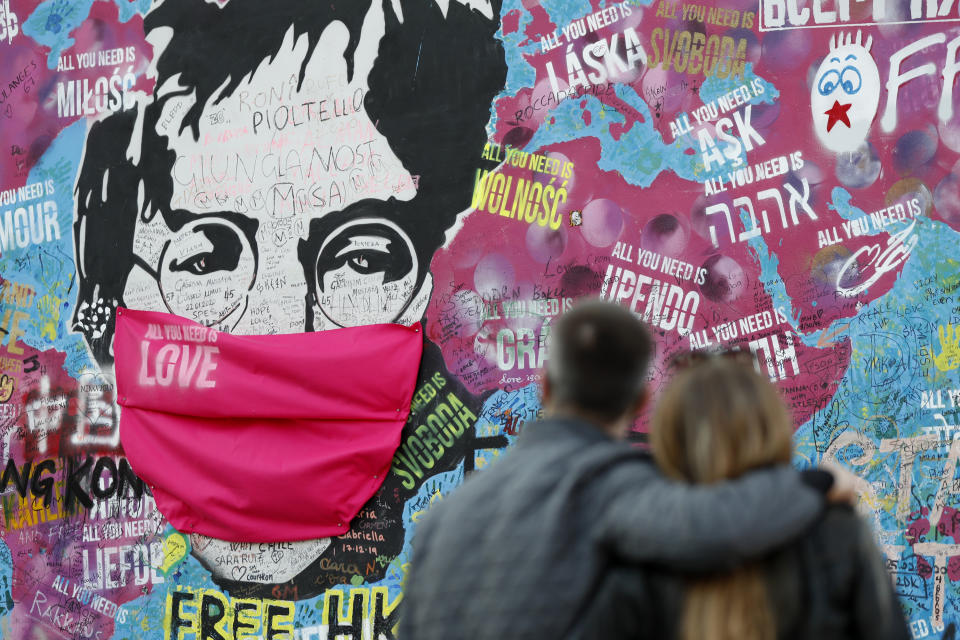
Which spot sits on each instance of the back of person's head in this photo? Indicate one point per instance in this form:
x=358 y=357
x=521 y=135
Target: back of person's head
x=718 y=419
x=599 y=354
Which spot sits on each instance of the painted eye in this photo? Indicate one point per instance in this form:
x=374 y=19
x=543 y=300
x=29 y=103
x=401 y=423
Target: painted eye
x=369 y=261
x=829 y=82
x=219 y=250
x=366 y=272
x=364 y=250
x=851 y=80
x=206 y=270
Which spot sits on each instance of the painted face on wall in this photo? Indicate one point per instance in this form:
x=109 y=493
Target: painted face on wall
x=283 y=178
x=289 y=193
x=845 y=94
x=271 y=158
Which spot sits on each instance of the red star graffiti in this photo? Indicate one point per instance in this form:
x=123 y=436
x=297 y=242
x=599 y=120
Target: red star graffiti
x=838 y=113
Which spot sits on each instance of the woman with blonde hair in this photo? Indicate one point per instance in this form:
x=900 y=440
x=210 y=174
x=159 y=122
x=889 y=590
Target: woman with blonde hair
x=717 y=420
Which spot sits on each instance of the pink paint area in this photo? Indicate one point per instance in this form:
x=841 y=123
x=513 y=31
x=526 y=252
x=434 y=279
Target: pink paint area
x=510 y=21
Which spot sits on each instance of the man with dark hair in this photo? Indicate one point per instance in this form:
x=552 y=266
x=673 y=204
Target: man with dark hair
x=295 y=169
x=521 y=548
x=598 y=363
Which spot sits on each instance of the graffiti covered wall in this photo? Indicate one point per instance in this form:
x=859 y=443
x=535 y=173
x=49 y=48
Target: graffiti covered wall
x=779 y=176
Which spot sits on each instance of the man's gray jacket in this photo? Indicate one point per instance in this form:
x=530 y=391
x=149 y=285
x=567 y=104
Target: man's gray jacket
x=519 y=550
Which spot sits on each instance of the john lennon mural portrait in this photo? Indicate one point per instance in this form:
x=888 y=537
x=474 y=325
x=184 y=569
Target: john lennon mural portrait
x=295 y=169
x=262 y=194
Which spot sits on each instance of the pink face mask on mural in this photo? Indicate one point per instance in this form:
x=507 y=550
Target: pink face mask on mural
x=262 y=438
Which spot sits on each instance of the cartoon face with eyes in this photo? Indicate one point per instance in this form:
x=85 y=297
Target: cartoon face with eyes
x=845 y=94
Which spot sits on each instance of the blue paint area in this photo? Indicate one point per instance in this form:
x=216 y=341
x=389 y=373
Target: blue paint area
x=844 y=208
x=773 y=284
x=520 y=74
x=840 y=203
x=714 y=87
x=129 y=8
x=563 y=12
x=48 y=267
x=504 y=414
x=882 y=396
x=641 y=153
x=51 y=23
x=6 y=580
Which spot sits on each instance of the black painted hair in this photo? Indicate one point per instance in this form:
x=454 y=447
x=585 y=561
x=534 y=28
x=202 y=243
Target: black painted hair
x=430 y=91
x=599 y=354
